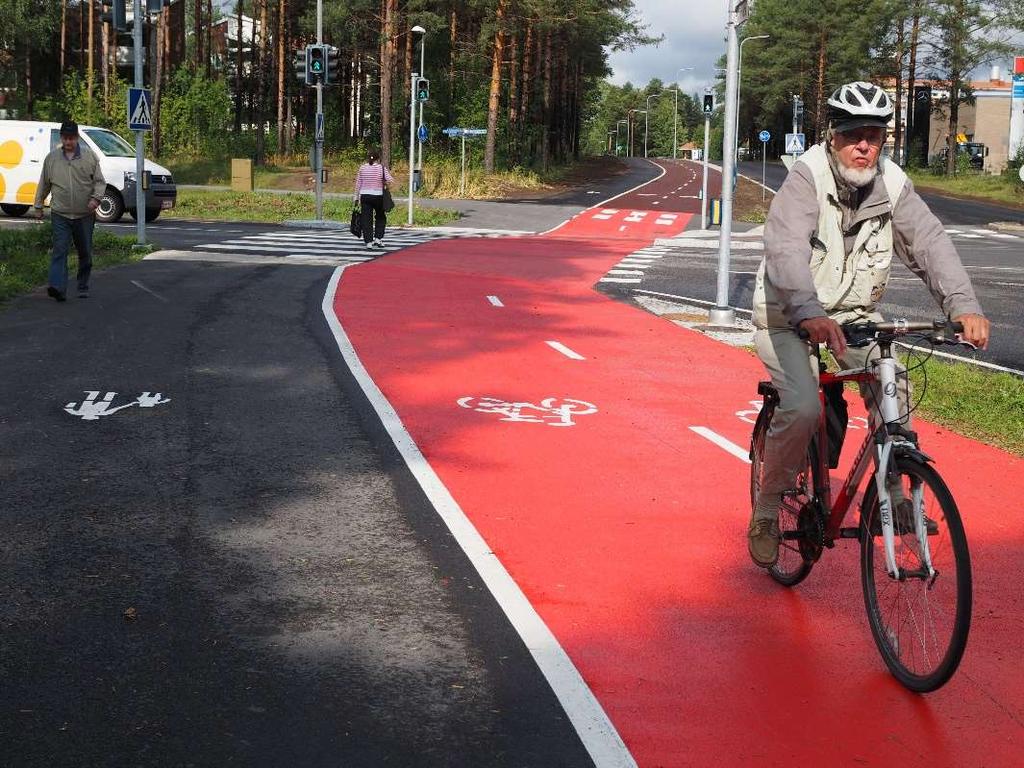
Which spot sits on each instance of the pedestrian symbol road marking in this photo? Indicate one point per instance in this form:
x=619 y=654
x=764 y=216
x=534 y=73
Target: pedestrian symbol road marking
x=94 y=406
x=140 y=116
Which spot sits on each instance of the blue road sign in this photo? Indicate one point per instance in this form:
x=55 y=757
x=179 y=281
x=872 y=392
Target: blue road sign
x=421 y=132
x=764 y=136
x=464 y=132
x=140 y=115
x=319 y=126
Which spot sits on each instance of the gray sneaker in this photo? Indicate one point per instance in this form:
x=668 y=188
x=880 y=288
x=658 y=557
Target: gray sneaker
x=763 y=542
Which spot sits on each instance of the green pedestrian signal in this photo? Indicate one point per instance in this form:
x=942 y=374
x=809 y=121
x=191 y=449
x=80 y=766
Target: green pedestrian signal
x=422 y=89
x=709 y=103
x=316 y=63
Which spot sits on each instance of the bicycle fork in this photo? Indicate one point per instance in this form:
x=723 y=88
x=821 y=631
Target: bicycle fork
x=889 y=408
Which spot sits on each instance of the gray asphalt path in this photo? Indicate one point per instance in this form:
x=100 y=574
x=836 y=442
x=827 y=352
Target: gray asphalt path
x=238 y=574
x=951 y=211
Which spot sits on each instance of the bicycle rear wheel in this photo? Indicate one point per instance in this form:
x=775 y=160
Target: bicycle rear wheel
x=791 y=567
x=920 y=625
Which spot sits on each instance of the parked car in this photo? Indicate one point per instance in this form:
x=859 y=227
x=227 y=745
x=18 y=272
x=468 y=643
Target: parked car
x=24 y=144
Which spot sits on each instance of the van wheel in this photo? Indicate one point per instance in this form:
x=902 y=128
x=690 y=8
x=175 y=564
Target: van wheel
x=151 y=214
x=111 y=207
x=14 y=210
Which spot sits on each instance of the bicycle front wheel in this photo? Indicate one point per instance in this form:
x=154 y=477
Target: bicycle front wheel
x=920 y=624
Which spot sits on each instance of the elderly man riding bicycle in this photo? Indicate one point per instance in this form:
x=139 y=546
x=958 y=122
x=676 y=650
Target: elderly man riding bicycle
x=833 y=228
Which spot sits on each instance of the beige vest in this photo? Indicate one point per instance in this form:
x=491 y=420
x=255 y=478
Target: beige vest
x=850 y=285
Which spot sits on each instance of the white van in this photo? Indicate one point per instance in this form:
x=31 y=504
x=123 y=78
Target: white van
x=24 y=144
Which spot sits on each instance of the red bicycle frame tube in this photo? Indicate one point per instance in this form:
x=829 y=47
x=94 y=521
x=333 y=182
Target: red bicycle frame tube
x=836 y=509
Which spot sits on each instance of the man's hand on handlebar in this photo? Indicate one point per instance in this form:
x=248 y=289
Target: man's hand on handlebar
x=824 y=330
x=976 y=329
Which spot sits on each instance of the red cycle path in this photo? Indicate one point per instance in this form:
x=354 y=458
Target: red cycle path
x=626 y=530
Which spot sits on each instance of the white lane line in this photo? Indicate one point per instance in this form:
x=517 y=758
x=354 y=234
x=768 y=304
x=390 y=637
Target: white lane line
x=228 y=247
x=560 y=347
x=982 y=231
x=327 y=258
x=721 y=442
x=968 y=234
x=495 y=301
x=584 y=711
x=621 y=272
x=950 y=231
x=1005 y=236
x=137 y=284
x=619 y=280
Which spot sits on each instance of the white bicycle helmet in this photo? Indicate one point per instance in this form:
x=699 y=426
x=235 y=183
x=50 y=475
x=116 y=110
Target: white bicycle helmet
x=859 y=104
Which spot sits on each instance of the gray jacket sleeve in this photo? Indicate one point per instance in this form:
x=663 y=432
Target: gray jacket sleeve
x=921 y=242
x=99 y=184
x=43 y=187
x=792 y=222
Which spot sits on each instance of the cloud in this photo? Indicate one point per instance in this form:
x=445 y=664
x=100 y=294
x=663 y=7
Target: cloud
x=694 y=37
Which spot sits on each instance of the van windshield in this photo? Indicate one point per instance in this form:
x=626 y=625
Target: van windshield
x=110 y=144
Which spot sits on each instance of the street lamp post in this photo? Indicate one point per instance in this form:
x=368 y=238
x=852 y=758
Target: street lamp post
x=739 y=87
x=675 y=115
x=647 y=118
x=629 y=128
x=417 y=30
x=617 y=124
x=423 y=73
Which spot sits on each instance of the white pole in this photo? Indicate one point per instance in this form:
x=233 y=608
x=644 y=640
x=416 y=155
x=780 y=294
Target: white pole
x=764 y=146
x=723 y=314
x=140 y=140
x=423 y=45
x=704 y=180
x=646 y=126
x=675 y=124
x=462 y=181
x=412 y=139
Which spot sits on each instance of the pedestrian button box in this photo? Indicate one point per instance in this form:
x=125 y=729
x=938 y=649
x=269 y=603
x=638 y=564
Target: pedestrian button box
x=716 y=210
x=241 y=175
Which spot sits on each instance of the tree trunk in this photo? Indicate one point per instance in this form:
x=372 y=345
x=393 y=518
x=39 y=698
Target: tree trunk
x=497 y=54
x=282 y=44
x=105 y=65
x=262 y=76
x=513 y=91
x=820 y=95
x=915 y=30
x=954 y=119
x=453 y=39
x=238 y=74
x=158 y=31
x=197 y=32
x=545 y=144
x=81 y=36
x=63 y=36
x=388 y=49
x=526 y=89
x=208 y=48
x=897 y=136
x=29 y=101
x=89 y=65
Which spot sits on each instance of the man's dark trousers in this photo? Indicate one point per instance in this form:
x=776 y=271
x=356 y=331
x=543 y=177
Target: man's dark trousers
x=66 y=231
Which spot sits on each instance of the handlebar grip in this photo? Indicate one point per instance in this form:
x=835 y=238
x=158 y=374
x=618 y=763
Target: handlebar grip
x=803 y=334
x=955 y=327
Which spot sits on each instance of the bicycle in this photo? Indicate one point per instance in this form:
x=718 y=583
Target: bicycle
x=915 y=568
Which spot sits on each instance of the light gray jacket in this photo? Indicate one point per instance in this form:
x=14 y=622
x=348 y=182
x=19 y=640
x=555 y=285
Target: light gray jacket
x=919 y=241
x=73 y=183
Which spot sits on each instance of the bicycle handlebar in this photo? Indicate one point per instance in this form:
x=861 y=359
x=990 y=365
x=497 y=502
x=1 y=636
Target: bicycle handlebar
x=863 y=332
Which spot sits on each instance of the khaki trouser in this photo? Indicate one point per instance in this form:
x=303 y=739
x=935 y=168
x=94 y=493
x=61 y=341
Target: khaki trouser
x=794 y=372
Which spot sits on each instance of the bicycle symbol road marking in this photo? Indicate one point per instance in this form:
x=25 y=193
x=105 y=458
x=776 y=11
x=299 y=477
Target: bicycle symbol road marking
x=551 y=410
x=750 y=416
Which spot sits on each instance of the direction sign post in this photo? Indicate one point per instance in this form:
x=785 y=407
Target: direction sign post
x=463 y=133
x=140 y=141
x=765 y=137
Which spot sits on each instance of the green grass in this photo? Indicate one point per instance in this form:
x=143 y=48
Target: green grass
x=985 y=405
x=25 y=256
x=274 y=208
x=999 y=189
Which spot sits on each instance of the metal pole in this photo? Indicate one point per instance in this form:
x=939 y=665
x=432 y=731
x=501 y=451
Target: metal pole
x=419 y=162
x=675 y=125
x=462 y=182
x=722 y=314
x=704 y=181
x=764 y=147
x=318 y=145
x=140 y=136
x=412 y=139
x=646 y=126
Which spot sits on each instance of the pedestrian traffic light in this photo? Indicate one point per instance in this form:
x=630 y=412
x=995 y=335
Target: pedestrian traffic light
x=709 y=103
x=422 y=89
x=299 y=62
x=316 y=63
x=333 y=73
x=116 y=15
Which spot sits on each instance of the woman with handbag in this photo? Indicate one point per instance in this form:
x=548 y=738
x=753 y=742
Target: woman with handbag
x=374 y=198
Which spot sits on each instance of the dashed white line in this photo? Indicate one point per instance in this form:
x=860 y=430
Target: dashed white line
x=495 y=301
x=560 y=347
x=621 y=272
x=137 y=284
x=620 y=280
x=721 y=442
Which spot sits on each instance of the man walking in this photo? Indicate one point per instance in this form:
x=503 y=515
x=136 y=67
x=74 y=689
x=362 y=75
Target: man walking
x=71 y=172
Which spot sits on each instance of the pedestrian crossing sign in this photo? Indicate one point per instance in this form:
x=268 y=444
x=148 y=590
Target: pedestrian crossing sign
x=140 y=115
x=794 y=143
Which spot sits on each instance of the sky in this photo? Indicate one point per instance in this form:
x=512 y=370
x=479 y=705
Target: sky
x=694 y=33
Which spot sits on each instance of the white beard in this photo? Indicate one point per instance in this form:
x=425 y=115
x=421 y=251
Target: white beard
x=857 y=177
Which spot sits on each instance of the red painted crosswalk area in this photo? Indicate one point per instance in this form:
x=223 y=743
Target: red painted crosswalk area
x=559 y=420
x=623 y=223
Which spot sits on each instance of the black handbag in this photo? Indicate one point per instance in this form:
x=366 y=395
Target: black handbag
x=356 y=226
x=389 y=204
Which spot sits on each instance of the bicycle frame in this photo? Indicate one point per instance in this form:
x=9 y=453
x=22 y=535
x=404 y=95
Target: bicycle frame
x=882 y=438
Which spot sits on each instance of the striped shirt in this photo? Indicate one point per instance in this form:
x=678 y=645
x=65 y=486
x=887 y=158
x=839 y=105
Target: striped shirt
x=369 y=179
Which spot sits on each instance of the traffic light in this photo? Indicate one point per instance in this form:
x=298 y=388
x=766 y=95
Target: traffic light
x=422 y=89
x=709 y=103
x=301 y=71
x=116 y=15
x=155 y=6
x=316 y=63
x=333 y=72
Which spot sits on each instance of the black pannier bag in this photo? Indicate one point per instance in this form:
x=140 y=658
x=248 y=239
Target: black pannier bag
x=836 y=418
